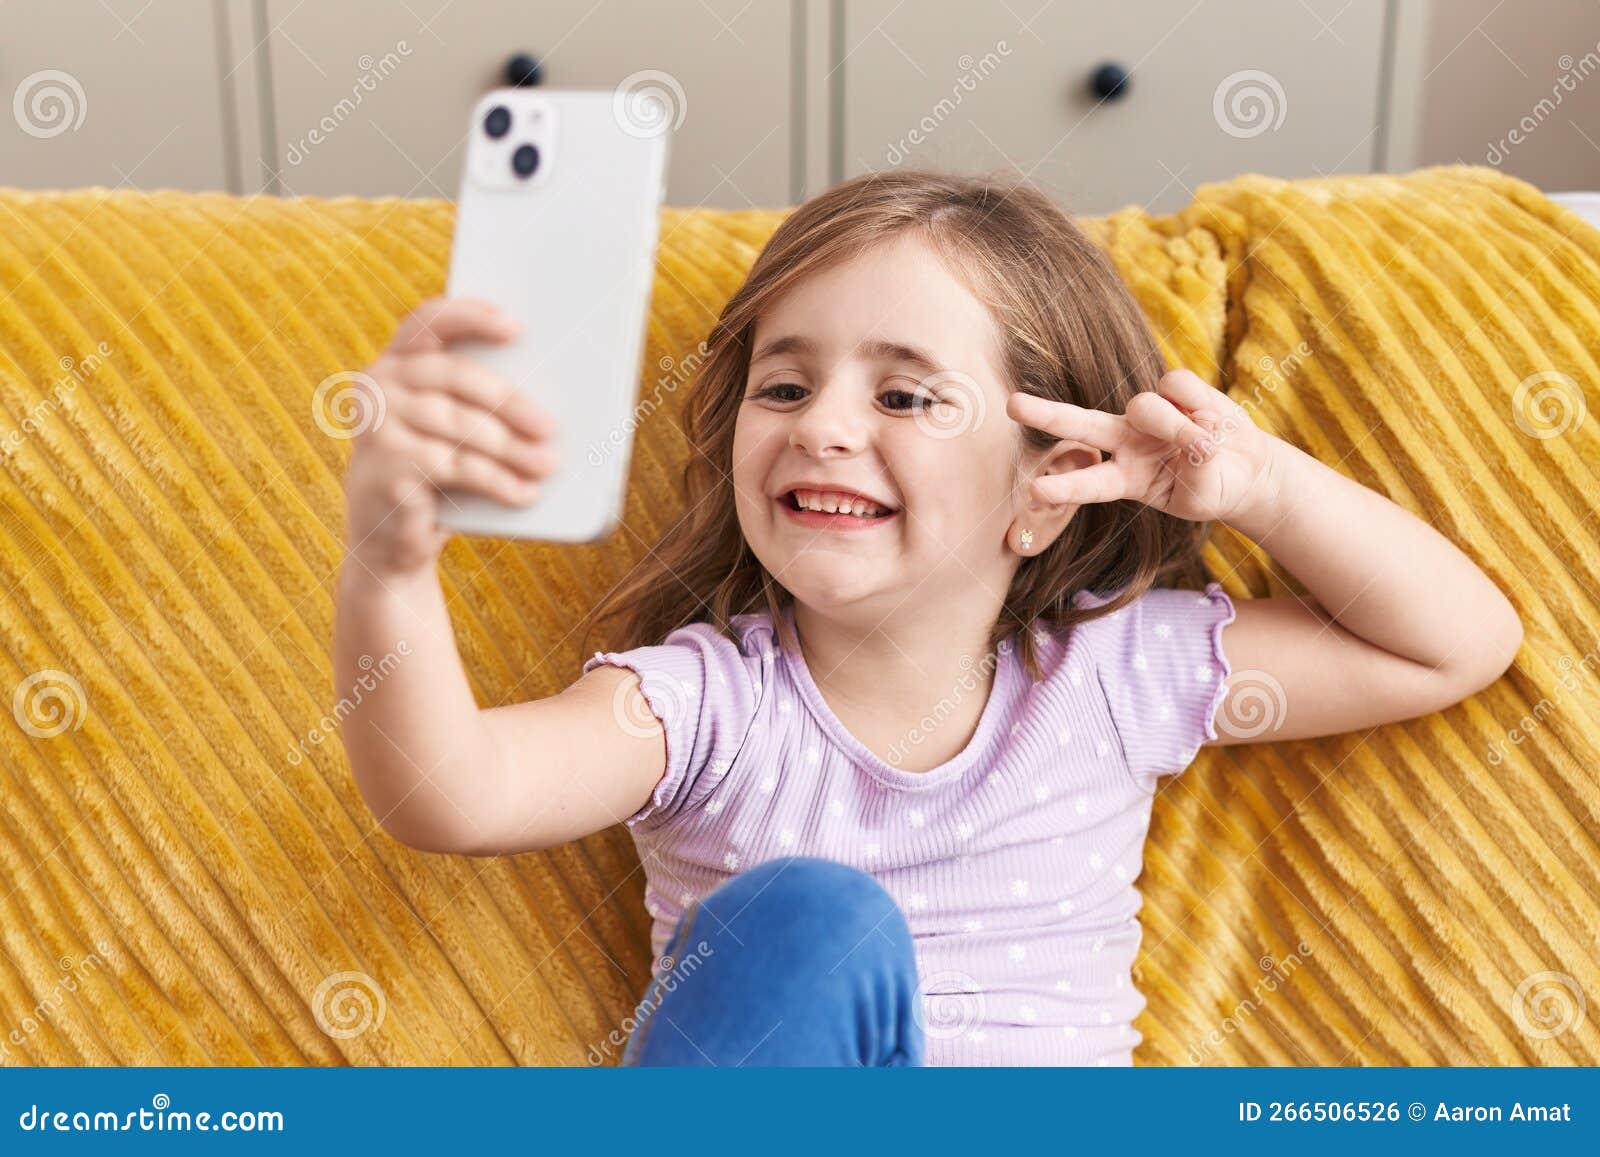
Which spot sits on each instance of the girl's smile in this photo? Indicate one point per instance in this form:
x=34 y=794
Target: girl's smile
x=835 y=508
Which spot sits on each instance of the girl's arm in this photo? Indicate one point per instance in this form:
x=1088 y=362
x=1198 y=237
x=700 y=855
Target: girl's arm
x=439 y=773
x=442 y=774
x=1400 y=623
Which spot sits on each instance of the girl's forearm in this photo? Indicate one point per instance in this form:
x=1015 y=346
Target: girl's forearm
x=420 y=752
x=1379 y=571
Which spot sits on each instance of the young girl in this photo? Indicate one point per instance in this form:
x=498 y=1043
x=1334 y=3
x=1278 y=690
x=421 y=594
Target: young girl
x=898 y=689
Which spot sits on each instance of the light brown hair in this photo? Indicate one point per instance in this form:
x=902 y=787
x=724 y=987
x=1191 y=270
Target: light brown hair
x=1069 y=330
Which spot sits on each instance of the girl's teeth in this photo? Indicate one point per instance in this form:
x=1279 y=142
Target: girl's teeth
x=831 y=504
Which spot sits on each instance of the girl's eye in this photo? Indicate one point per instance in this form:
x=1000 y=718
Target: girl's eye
x=917 y=401
x=895 y=399
x=772 y=391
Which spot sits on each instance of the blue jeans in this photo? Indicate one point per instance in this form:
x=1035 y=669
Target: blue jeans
x=797 y=961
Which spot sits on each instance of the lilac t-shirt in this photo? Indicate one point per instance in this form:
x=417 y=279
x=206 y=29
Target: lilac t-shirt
x=1014 y=861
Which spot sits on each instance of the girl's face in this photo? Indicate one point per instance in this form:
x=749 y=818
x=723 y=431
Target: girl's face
x=879 y=376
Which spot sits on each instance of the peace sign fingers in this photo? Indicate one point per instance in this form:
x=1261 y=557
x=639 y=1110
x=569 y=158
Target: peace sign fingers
x=1106 y=482
x=1184 y=448
x=1160 y=417
x=1073 y=423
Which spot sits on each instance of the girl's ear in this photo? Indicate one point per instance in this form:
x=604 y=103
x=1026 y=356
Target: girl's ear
x=1035 y=525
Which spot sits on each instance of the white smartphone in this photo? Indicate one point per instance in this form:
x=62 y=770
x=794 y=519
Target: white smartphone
x=556 y=223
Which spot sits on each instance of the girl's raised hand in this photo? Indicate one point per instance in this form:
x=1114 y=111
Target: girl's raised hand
x=1183 y=448
x=442 y=422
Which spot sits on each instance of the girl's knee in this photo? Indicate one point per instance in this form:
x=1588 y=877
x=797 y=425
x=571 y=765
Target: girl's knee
x=813 y=894
x=809 y=946
x=806 y=881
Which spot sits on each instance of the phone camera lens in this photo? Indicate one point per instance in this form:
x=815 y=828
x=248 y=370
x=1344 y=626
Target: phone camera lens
x=498 y=122
x=525 y=160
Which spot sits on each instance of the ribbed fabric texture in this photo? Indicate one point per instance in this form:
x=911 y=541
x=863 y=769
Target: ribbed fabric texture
x=170 y=527
x=1014 y=861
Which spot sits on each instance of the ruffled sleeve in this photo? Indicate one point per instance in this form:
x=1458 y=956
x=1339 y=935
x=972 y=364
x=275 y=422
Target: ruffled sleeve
x=704 y=689
x=1164 y=674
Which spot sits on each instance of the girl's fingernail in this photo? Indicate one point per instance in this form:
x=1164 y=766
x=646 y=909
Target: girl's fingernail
x=1205 y=447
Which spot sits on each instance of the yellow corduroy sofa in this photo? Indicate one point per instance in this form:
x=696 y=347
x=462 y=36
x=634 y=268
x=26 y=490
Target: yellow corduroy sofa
x=189 y=876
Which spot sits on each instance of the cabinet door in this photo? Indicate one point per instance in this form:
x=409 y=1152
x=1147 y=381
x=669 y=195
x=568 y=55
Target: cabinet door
x=374 y=101
x=120 y=92
x=1285 y=88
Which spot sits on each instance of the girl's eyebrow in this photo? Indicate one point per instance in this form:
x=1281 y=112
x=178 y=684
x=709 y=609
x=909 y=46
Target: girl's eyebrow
x=874 y=349
x=788 y=344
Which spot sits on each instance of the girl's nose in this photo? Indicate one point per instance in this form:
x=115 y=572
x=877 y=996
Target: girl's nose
x=830 y=423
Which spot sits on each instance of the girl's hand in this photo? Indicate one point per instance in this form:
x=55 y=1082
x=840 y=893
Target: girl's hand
x=1183 y=448
x=442 y=422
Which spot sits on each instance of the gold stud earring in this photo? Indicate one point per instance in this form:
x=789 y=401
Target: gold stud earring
x=1027 y=540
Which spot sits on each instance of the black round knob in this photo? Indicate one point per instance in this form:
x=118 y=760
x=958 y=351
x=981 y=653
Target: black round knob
x=1110 y=81
x=524 y=70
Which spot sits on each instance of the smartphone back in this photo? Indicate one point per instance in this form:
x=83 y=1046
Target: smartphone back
x=567 y=249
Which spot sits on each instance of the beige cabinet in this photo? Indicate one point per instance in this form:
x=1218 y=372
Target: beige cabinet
x=370 y=97
x=116 y=93
x=1207 y=91
x=772 y=100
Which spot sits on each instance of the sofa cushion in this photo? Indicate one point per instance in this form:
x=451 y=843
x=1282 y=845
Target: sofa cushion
x=180 y=829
